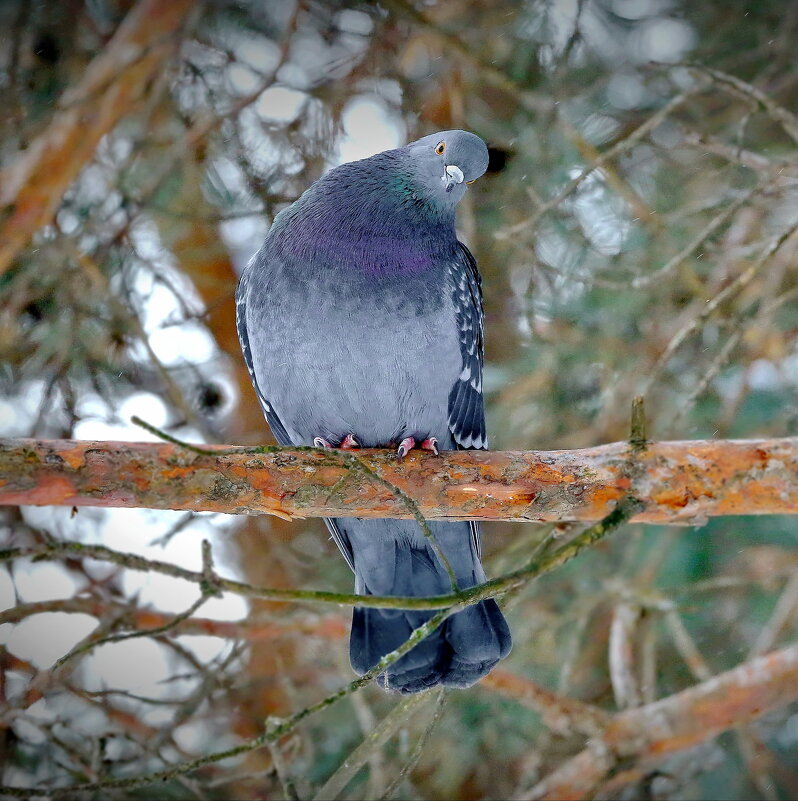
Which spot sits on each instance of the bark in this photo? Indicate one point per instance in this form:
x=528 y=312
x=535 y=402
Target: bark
x=114 y=83
x=675 y=482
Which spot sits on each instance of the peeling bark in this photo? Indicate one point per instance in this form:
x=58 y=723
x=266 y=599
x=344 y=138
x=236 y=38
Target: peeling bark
x=676 y=482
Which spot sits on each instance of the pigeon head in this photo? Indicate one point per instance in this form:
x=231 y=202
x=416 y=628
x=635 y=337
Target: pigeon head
x=443 y=163
x=398 y=200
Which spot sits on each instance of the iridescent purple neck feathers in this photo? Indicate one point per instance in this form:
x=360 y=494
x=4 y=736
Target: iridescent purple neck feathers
x=368 y=216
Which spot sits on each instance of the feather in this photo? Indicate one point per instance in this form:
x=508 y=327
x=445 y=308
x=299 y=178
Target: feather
x=466 y=404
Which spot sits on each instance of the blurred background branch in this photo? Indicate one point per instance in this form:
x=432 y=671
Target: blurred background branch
x=679 y=722
x=32 y=187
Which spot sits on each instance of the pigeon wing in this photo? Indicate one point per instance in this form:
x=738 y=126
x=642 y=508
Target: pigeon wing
x=466 y=404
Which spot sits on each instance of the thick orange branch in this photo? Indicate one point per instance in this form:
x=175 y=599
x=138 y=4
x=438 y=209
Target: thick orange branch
x=31 y=188
x=675 y=481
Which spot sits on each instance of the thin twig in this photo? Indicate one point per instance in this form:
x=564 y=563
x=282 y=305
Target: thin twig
x=540 y=564
x=421 y=743
x=686 y=646
x=280 y=767
x=82 y=649
x=731 y=290
x=625 y=684
x=783 y=613
x=562 y=714
x=611 y=153
x=699 y=239
x=637 y=427
x=388 y=726
x=715 y=366
x=272 y=734
x=788 y=120
x=207 y=451
x=736 y=154
x=412 y=507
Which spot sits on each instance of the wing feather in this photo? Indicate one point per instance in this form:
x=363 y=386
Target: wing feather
x=466 y=403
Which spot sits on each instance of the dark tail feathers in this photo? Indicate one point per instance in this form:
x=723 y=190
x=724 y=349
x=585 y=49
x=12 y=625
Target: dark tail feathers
x=390 y=560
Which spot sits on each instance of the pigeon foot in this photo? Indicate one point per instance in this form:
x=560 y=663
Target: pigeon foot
x=349 y=443
x=320 y=442
x=405 y=446
x=430 y=444
x=408 y=443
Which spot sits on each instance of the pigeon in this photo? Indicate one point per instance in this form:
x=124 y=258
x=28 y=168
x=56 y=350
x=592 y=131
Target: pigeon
x=361 y=324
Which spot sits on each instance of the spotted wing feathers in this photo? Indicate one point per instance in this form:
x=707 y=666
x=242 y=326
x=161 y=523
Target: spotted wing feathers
x=466 y=405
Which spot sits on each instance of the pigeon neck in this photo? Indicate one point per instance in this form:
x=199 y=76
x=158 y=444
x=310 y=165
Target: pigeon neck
x=378 y=229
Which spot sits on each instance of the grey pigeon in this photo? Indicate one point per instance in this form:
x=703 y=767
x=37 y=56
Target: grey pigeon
x=360 y=320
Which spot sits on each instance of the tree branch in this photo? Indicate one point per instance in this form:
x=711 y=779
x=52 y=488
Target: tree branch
x=537 y=565
x=560 y=713
x=275 y=729
x=31 y=188
x=674 y=482
x=649 y=733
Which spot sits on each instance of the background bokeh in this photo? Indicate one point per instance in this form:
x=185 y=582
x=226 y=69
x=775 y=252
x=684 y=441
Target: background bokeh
x=643 y=161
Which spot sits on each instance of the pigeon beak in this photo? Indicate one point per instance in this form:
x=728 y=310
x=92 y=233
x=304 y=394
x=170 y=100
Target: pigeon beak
x=452 y=177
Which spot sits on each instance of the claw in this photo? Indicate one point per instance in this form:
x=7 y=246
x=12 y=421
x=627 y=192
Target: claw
x=430 y=444
x=405 y=446
x=349 y=443
x=320 y=442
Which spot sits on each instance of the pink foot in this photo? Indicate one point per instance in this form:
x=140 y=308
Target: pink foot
x=320 y=442
x=405 y=446
x=349 y=443
x=430 y=444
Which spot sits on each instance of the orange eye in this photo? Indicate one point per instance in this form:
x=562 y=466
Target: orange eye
x=440 y=147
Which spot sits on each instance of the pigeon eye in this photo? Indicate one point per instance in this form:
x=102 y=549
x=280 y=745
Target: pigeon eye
x=440 y=147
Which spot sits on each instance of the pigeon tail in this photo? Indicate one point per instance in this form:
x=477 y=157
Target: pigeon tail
x=392 y=558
